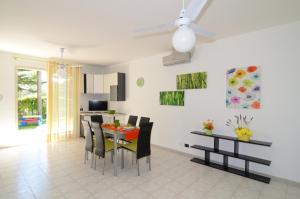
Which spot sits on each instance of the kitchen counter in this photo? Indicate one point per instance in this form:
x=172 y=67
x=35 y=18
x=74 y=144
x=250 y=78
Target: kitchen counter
x=104 y=113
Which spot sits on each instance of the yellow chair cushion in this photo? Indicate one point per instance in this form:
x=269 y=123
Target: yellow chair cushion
x=131 y=146
x=109 y=145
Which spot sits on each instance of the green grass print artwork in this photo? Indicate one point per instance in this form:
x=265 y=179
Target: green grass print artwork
x=175 y=98
x=191 y=81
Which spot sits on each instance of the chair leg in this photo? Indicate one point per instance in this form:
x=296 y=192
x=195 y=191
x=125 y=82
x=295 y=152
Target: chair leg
x=95 y=162
x=138 y=167
x=103 y=166
x=85 y=157
x=149 y=160
x=112 y=156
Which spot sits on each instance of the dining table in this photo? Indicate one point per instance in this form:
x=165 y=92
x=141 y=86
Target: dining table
x=120 y=134
x=106 y=117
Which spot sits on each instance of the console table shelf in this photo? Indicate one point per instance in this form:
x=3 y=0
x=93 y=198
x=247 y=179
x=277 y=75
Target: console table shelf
x=224 y=137
x=232 y=170
x=224 y=166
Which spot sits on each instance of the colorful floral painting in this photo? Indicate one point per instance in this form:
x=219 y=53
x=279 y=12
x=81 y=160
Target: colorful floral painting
x=243 y=88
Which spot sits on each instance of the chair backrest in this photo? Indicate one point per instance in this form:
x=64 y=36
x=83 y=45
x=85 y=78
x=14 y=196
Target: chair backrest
x=132 y=120
x=88 y=136
x=144 y=120
x=144 y=141
x=100 y=142
x=97 y=118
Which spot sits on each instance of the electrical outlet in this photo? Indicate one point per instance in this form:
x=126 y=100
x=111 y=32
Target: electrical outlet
x=187 y=145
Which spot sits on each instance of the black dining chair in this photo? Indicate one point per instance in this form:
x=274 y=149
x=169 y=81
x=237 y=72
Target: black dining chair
x=142 y=146
x=89 y=145
x=102 y=145
x=144 y=120
x=132 y=120
x=97 y=119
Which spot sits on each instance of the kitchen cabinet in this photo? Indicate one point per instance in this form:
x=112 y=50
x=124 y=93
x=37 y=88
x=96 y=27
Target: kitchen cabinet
x=113 y=84
x=117 y=92
x=109 y=80
x=98 y=84
x=89 y=83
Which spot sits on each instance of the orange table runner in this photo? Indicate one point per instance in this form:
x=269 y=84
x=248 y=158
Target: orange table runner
x=129 y=134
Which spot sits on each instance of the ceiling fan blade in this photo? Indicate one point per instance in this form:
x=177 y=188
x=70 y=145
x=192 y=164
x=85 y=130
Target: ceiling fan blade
x=200 y=31
x=194 y=8
x=155 y=29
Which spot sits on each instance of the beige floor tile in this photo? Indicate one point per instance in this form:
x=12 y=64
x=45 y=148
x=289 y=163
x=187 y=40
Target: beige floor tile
x=269 y=191
x=134 y=194
x=190 y=194
x=293 y=191
x=244 y=193
x=57 y=171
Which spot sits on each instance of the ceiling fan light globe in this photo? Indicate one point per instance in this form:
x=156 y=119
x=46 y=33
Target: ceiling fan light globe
x=184 y=39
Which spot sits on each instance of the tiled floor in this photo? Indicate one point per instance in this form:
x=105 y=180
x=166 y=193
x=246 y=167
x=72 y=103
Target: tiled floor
x=57 y=171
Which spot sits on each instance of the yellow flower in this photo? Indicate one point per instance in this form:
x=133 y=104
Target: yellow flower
x=233 y=82
x=243 y=132
x=240 y=73
x=247 y=83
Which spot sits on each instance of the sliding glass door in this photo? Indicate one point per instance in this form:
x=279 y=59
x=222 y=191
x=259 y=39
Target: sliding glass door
x=32 y=102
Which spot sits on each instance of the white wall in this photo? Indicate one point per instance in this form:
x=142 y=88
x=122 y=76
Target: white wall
x=8 y=90
x=275 y=49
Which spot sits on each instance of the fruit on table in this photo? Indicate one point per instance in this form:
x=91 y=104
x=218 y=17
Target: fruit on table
x=108 y=125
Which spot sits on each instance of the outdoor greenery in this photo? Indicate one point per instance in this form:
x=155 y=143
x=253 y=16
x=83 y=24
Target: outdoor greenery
x=28 y=106
x=32 y=93
x=172 y=98
x=191 y=81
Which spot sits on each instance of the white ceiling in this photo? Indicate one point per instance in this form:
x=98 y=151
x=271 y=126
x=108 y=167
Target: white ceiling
x=105 y=28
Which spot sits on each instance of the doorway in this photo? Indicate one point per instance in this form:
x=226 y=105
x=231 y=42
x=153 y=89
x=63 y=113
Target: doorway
x=32 y=105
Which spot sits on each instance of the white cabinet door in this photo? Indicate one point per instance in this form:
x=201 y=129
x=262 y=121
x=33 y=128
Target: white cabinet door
x=114 y=79
x=106 y=84
x=90 y=83
x=109 y=80
x=98 y=84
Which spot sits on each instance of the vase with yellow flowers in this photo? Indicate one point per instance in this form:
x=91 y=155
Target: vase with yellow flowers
x=241 y=128
x=208 y=127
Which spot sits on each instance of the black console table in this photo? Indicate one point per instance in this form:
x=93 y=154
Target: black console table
x=224 y=166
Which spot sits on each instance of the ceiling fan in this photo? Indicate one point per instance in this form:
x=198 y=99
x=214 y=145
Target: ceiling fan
x=184 y=38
